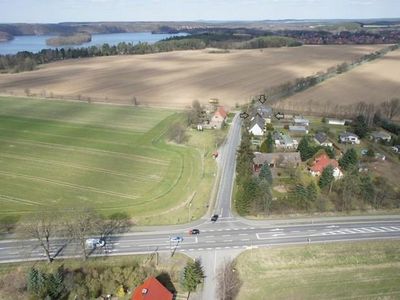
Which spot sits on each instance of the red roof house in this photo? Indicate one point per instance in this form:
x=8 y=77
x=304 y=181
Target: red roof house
x=218 y=118
x=152 y=289
x=321 y=162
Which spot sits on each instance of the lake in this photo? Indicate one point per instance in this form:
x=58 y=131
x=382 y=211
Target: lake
x=35 y=43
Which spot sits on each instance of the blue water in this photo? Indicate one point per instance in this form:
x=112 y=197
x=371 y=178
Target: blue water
x=35 y=43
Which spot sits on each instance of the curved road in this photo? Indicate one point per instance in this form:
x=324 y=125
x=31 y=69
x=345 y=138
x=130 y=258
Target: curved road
x=228 y=236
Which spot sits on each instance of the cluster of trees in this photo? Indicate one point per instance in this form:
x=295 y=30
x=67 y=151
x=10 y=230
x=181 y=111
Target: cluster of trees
x=308 y=149
x=270 y=42
x=267 y=146
x=228 y=281
x=75 y=39
x=87 y=281
x=253 y=193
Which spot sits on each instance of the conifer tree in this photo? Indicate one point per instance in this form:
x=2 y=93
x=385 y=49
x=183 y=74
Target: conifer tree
x=265 y=173
x=326 y=177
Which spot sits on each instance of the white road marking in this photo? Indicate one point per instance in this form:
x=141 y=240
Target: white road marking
x=228 y=241
x=243 y=234
x=243 y=240
x=367 y=230
x=394 y=227
x=378 y=229
x=278 y=234
x=226 y=235
x=210 y=236
x=211 y=242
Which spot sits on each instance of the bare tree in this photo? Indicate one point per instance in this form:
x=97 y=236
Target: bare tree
x=116 y=223
x=41 y=226
x=391 y=108
x=80 y=223
x=228 y=284
x=177 y=133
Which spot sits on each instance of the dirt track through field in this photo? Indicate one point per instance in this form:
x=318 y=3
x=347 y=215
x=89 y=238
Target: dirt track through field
x=175 y=79
x=373 y=83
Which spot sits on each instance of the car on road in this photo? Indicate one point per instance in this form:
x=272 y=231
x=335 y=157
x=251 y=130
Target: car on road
x=194 y=231
x=214 y=218
x=95 y=243
x=176 y=239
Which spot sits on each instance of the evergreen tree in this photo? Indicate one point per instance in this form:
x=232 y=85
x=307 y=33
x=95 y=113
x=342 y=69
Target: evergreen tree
x=269 y=143
x=312 y=191
x=300 y=195
x=360 y=127
x=306 y=150
x=265 y=173
x=32 y=280
x=264 y=147
x=326 y=177
x=367 y=190
x=193 y=275
x=349 y=159
x=330 y=152
x=264 y=197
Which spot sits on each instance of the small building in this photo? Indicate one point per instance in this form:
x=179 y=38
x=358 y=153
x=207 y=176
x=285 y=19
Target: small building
x=323 y=161
x=322 y=139
x=218 y=118
x=298 y=129
x=349 y=138
x=335 y=122
x=277 y=159
x=284 y=141
x=152 y=289
x=257 y=125
x=298 y=121
x=380 y=136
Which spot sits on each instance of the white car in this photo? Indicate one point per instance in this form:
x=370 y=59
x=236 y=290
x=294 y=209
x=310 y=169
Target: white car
x=95 y=243
x=176 y=239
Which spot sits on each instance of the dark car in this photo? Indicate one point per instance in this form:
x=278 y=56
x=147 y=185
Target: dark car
x=194 y=231
x=214 y=218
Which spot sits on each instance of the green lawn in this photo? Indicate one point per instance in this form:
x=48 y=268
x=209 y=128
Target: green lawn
x=62 y=154
x=362 y=270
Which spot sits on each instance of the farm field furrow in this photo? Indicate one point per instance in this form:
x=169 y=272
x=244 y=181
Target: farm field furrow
x=173 y=79
x=111 y=166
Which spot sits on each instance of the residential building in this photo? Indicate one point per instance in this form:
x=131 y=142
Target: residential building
x=265 y=112
x=380 y=136
x=321 y=162
x=298 y=129
x=396 y=148
x=284 y=141
x=299 y=121
x=218 y=118
x=322 y=139
x=152 y=289
x=335 y=122
x=349 y=138
x=277 y=159
x=257 y=125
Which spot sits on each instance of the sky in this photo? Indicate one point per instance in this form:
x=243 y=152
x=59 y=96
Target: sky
x=54 y=11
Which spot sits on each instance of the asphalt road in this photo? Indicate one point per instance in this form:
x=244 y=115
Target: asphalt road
x=227 y=165
x=225 y=238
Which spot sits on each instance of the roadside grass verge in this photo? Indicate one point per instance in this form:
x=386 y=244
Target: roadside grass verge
x=361 y=270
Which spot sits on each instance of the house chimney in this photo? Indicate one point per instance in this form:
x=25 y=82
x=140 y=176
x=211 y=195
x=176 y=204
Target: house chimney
x=144 y=291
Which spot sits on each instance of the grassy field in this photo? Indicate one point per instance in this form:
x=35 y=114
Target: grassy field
x=63 y=154
x=373 y=82
x=362 y=270
x=175 y=79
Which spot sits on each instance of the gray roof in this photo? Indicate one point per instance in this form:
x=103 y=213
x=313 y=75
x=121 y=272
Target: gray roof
x=268 y=158
x=298 y=128
x=321 y=137
x=257 y=120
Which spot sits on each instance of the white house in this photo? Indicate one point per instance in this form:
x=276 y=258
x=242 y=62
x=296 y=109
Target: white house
x=378 y=136
x=349 y=138
x=257 y=125
x=284 y=141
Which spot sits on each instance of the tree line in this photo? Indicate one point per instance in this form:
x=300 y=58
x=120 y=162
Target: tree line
x=290 y=88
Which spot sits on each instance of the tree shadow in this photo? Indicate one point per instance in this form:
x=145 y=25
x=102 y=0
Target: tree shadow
x=165 y=279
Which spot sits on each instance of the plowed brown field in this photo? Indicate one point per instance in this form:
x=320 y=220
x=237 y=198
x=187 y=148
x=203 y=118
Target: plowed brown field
x=177 y=78
x=373 y=82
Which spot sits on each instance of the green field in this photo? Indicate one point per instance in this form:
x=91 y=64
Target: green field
x=63 y=154
x=362 y=270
